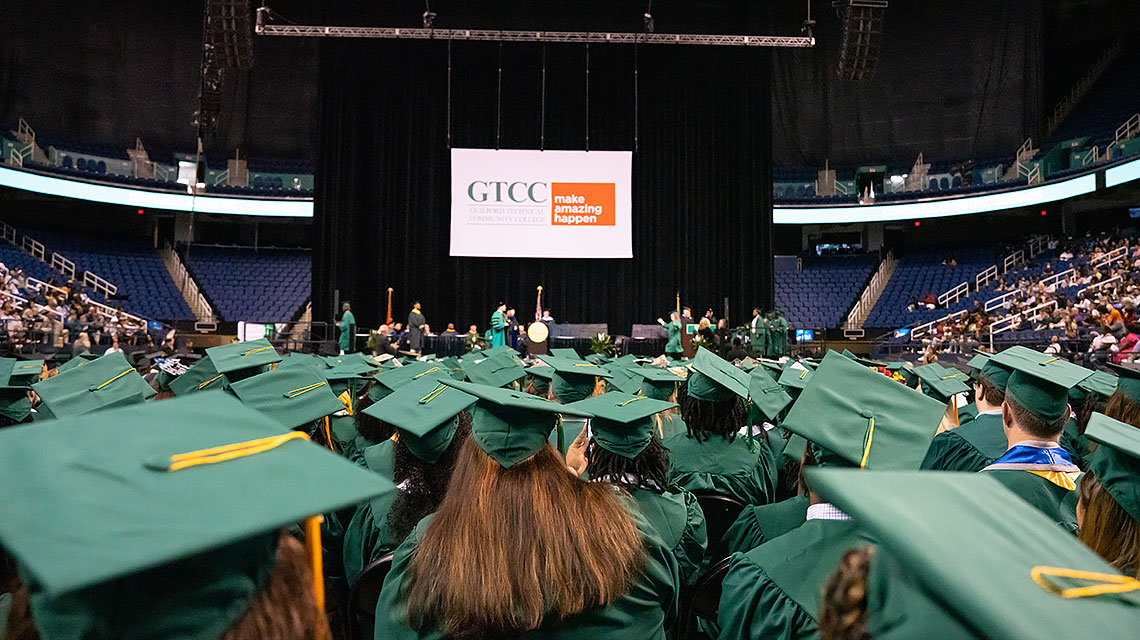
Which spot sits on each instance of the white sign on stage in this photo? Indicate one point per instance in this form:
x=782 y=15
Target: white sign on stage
x=541 y=204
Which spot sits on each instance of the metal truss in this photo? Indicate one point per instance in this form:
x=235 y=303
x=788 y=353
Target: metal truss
x=313 y=31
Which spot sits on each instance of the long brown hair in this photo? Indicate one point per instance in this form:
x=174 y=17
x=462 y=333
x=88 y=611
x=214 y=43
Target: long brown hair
x=1121 y=407
x=843 y=612
x=1108 y=529
x=512 y=549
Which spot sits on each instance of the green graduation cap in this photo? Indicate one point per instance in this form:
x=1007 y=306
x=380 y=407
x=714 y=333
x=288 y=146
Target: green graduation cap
x=623 y=379
x=348 y=376
x=767 y=396
x=426 y=414
x=941 y=383
x=998 y=374
x=15 y=405
x=392 y=379
x=1001 y=566
x=306 y=360
x=107 y=382
x=200 y=377
x=1101 y=383
x=863 y=417
x=497 y=351
x=243 y=359
x=496 y=371
x=565 y=352
x=26 y=372
x=714 y=379
x=1128 y=384
x=795 y=377
x=74 y=363
x=574 y=379
x=977 y=362
x=182 y=513
x=1040 y=383
x=293 y=397
x=598 y=358
x=657 y=382
x=622 y=422
x=509 y=425
x=540 y=376
x=351 y=360
x=1116 y=463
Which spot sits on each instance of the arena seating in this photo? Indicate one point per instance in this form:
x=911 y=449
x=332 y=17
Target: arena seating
x=1113 y=99
x=920 y=273
x=131 y=264
x=245 y=284
x=820 y=295
x=13 y=256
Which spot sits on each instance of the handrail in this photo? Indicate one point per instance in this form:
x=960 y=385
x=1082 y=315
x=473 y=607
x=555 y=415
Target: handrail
x=99 y=284
x=871 y=293
x=1109 y=258
x=1057 y=278
x=62 y=264
x=186 y=284
x=922 y=329
x=1129 y=129
x=1036 y=246
x=1013 y=259
x=1096 y=286
x=221 y=177
x=8 y=232
x=1006 y=323
x=986 y=277
x=33 y=247
x=955 y=294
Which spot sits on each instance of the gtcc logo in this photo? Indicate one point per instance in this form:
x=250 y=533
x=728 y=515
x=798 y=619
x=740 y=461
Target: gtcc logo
x=502 y=191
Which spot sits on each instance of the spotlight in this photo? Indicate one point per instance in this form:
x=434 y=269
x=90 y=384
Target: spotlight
x=429 y=19
x=648 y=19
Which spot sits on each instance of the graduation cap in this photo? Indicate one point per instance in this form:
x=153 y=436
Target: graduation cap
x=243 y=359
x=623 y=379
x=597 y=358
x=540 y=375
x=426 y=414
x=1116 y=463
x=565 y=352
x=941 y=383
x=995 y=562
x=863 y=417
x=15 y=405
x=496 y=371
x=352 y=360
x=511 y=426
x=795 y=376
x=107 y=382
x=503 y=350
x=977 y=362
x=715 y=380
x=306 y=360
x=202 y=376
x=169 y=532
x=1040 y=383
x=768 y=397
x=1100 y=383
x=26 y=372
x=657 y=382
x=73 y=363
x=574 y=379
x=452 y=366
x=1128 y=384
x=622 y=422
x=292 y=397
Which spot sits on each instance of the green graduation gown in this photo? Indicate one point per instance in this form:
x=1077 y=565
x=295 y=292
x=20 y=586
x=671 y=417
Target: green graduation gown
x=774 y=591
x=967 y=413
x=735 y=468
x=673 y=343
x=645 y=612
x=779 y=336
x=1051 y=499
x=498 y=329
x=366 y=537
x=347 y=329
x=971 y=446
x=760 y=523
x=679 y=522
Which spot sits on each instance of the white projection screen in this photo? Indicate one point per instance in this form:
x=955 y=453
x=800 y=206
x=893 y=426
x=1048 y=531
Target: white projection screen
x=541 y=204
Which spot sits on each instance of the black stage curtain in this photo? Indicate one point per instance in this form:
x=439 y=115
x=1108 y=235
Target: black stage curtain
x=702 y=198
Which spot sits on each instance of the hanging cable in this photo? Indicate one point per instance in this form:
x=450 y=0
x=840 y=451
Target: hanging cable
x=542 y=117
x=636 y=103
x=499 y=100
x=587 y=96
x=449 y=94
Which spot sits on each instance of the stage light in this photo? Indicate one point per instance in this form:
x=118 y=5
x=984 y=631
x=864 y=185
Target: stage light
x=429 y=16
x=648 y=18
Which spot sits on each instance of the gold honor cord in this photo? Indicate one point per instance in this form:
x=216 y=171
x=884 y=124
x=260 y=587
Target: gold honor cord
x=867 y=444
x=803 y=374
x=420 y=375
x=1108 y=582
x=633 y=399
x=1049 y=361
x=111 y=380
x=249 y=448
x=209 y=382
x=434 y=394
x=303 y=390
x=258 y=350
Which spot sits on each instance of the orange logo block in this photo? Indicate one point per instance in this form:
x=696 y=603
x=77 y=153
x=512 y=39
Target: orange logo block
x=578 y=204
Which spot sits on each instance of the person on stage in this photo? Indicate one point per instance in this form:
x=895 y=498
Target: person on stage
x=758 y=331
x=498 y=330
x=347 y=328
x=778 y=336
x=417 y=326
x=512 y=329
x=673 y=341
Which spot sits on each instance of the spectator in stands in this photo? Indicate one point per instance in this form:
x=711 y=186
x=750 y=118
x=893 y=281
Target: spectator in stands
x=114 y=348
x=1128 y=344
x=929 y=300
x=1054 y=348
x=82 y=344
x=930 y=356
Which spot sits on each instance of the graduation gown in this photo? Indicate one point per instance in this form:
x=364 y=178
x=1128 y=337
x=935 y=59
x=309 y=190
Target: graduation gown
x=971 y=446
x=779 y=337
x=967 y=413
x=737 y=469
x=416 y=321
x=774 y=591
x=1043 y=477
x=760 y=523
x=645 y=612
x=347 y=329
x=679 y=522
x=498 y=330
x=673 y=342
x=758 y=332
x=366 y=537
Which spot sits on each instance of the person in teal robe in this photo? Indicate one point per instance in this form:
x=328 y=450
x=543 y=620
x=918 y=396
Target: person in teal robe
x=778 y=334
x=347 y=328
x=511 y=430
x=497 y=334
x=714 y=452
x=758 y=524
x=673 y=335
